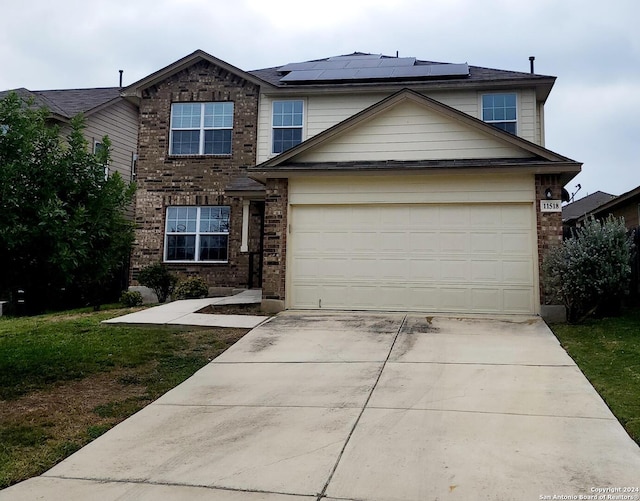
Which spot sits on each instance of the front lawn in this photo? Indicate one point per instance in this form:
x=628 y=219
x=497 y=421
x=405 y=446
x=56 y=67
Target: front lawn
x=65 y=379
x=608 y=353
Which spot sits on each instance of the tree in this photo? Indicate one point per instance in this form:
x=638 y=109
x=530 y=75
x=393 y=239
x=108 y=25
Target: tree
x=62 y=221
x=589 y=273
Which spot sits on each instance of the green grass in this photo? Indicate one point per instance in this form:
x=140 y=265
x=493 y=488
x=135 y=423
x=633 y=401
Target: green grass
x=608 y=353
x=65 y=379
x=42 y=350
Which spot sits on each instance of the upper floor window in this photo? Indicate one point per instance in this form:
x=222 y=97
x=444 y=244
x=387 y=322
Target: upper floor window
x=287 y=125
x=500 y=110
x=201 y=128
x=197 y=234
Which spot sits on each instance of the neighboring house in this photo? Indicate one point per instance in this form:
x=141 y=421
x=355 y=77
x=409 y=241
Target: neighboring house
x=385 y=183
x=106 y=113
x=626 y=205
x=576 y=211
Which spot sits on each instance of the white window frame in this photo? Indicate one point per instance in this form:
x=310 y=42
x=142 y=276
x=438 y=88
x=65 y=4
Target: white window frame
x=96 y=145
x=493 y=122
x=274 y=127
x=201 y=128
x=197 y=233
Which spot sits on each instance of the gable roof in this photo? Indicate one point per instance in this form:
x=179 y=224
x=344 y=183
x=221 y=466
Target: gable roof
x=134 y=90
x=477 y=76
x=66 y=103
x=619 y=200
x=542 y=159
x=585 y=205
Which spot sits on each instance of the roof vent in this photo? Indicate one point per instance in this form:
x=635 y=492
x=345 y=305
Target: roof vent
x=531 y=60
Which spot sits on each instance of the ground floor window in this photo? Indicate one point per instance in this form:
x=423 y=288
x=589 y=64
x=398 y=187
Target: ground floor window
x=198 y=234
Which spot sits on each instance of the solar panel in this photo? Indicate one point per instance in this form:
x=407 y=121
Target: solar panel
x=368 y=67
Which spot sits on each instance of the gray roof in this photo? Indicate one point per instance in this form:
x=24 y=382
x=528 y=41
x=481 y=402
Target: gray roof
x=69 y=102
x=478 y=74
x=243 y=184
x=585 y=205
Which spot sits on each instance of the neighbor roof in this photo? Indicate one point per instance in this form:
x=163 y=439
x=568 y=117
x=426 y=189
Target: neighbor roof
x=585 y=205
x=67 y=103
x=619 y=200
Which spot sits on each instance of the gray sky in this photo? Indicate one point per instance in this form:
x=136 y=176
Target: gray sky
x=593 y=47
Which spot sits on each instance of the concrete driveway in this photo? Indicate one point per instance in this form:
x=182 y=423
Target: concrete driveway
x=364 y=407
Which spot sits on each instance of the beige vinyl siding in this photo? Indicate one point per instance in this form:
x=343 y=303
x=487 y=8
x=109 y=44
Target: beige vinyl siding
x=527 y=115
x=410 y=131
x=324 y=111
x=416 y=189
x=540 y=124
x=120 y=122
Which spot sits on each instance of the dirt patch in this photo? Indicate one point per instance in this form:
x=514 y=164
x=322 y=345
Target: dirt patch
x=67 y=409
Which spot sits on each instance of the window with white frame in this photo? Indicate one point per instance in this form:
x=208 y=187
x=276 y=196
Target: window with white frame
x=500 y=110
x=201 y=128
x=98 y=148
x=287 y=125
x=199 y=234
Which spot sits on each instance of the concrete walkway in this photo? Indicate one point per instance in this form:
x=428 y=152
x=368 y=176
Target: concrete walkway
x=183 y=312
x=363 y=407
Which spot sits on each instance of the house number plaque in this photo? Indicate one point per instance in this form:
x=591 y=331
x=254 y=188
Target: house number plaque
x=550 y=206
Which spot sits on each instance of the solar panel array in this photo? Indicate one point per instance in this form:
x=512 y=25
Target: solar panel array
x=368 y=67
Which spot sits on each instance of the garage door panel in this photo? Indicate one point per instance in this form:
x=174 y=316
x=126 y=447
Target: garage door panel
x=423 y=242
x=426 y=269
x=516 y=272
x=485 y=243
x=517 y=301
x=392 y=241
x=485 y=271
x=454 y=243
x=518 y=216
x=516 y=242
x=486 y=300
x=439 y=257
x=452 y=270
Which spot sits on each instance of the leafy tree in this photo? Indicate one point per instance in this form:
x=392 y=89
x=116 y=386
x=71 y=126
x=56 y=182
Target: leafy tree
x=590 y=272
x=62 y=221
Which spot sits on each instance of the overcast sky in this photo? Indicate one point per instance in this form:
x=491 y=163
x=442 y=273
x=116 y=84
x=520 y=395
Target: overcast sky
x=593 y=47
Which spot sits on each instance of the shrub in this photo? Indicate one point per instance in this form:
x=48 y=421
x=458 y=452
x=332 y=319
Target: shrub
x=192 y=288
x=131 y=298
x=158 y=278
x=589 y=273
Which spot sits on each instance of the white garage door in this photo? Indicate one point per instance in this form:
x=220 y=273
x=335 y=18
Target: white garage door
x=470 y=258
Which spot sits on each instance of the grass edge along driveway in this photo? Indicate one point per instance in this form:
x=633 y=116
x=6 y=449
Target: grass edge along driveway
x=65 y=379
x=607 y=351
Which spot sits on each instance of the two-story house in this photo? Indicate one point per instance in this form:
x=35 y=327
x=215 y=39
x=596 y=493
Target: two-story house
x=105 y=113
x=366 y=182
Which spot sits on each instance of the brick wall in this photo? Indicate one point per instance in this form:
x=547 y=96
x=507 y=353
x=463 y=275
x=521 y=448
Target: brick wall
x=275 y=239
x=549 y=223
x=193 y=180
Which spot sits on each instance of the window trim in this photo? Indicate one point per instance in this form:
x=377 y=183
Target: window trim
x=494 y=122
x=96 y=145
x=197 y=234
x=202 y=129
x=273 y=127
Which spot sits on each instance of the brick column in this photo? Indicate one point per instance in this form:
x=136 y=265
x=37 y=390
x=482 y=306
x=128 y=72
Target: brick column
x=275 y=244
x=549 y=223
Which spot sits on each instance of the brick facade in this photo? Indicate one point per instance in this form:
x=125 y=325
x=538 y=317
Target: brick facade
x=549 y=224
x=165 y=180
x=275 y=239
